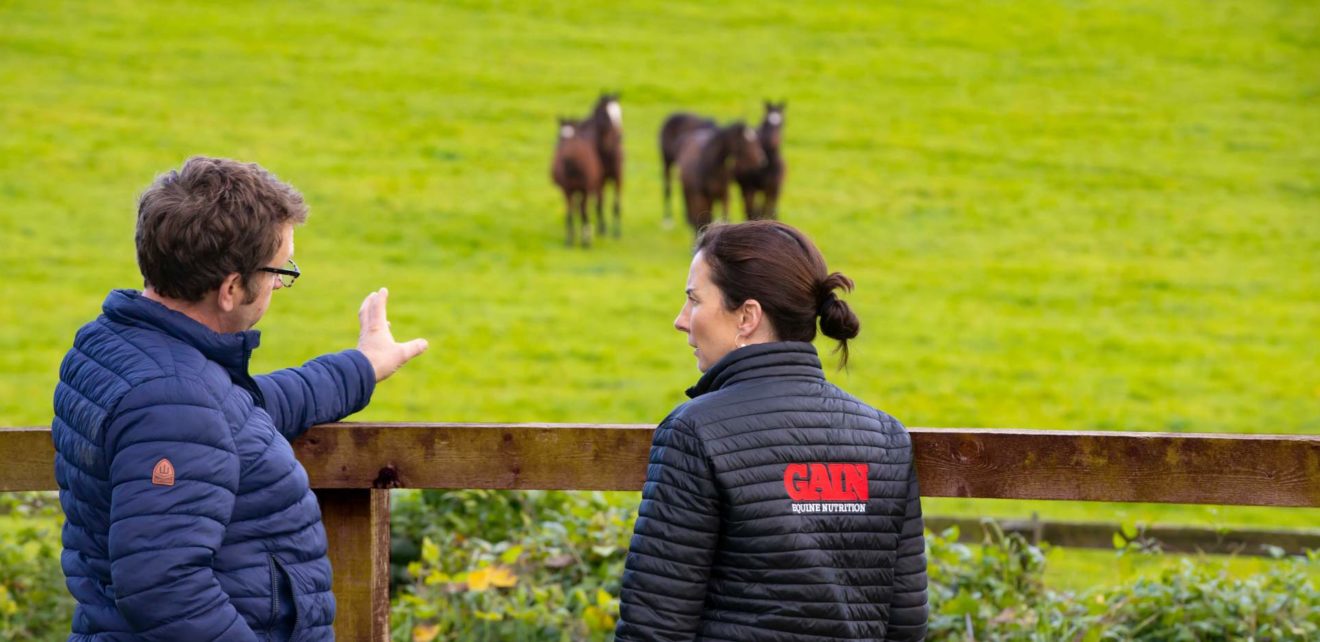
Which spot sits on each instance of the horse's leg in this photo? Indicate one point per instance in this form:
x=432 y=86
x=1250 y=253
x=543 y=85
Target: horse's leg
x=749 y=203
x=702 y=211
x=568 y=218
x=772 y=201
x=585 y=219
x=693 y=205
x=618 y=195
x=600 y=210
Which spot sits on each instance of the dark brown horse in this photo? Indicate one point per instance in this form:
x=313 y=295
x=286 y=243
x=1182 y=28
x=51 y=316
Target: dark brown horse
x=760 y=186
x=577 y=170
x=676 y=127
x=605 y=127
x=706 y=161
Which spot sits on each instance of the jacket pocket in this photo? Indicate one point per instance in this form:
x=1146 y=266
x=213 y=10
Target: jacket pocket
x=283 y=606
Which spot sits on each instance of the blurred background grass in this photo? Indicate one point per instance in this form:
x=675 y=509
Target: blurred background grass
x=1060 y=214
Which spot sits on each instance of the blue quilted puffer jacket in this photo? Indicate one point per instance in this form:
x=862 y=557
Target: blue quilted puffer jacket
x=188 y=517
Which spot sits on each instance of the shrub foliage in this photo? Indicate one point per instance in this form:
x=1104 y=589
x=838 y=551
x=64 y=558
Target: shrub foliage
x=545 y=565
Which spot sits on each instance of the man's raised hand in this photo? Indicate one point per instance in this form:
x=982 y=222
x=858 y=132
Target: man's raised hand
x=377 y=343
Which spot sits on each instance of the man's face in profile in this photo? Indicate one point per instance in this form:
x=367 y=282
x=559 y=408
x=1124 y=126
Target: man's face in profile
x=264 y=284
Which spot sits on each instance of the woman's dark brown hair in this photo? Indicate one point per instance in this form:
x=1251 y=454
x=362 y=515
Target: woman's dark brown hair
x=211 y=218
x=781 y=268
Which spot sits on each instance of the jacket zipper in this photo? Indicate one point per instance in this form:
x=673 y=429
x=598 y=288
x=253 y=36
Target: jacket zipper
x=292 y=596
x=274 y=593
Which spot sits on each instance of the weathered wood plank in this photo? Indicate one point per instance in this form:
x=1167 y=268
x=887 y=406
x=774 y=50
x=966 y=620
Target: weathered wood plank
x=1171 y=539
x=1255 y=470
x=1248 y=470
x=27 y=459
x=508 y=456
x=357 y=527
x=1252 y=470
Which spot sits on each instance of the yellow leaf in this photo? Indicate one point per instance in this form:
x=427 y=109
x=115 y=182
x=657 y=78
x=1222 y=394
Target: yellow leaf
x=479 y=580
x=415 y=569
x=425 y=632
x=430 y=552
x=436 y=577
x=597 y=620
x=502 y=577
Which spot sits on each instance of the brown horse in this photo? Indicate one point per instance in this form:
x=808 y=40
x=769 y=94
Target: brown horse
x=766 y=180
x=675 y=128
x=605 y=127
x=577 y=170
x=706 y=160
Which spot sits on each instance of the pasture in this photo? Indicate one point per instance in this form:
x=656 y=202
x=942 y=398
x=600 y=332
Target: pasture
x=1059 y=215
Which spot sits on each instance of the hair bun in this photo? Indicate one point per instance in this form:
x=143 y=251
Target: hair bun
x=837 y=320
x=826 y=302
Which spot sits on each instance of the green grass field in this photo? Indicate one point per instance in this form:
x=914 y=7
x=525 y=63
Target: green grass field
x=1060 y=215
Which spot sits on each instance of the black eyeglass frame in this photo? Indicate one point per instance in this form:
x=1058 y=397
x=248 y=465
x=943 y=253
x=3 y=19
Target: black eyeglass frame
x=293 y=273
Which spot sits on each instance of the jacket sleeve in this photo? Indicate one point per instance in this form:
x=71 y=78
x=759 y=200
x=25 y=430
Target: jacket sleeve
x=674 y=540
x=909 y=610
x=166 y=522
x=327 y=388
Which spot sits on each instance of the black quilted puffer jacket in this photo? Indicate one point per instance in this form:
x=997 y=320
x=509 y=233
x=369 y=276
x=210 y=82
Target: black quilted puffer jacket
x=776 y=507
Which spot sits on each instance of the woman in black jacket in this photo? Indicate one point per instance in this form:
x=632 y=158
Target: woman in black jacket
x=776 y=506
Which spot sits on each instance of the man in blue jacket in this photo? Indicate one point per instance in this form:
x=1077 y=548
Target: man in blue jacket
x=187 y=516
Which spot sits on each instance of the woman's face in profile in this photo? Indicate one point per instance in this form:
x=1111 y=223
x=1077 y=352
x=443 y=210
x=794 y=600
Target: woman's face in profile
x=712 y=330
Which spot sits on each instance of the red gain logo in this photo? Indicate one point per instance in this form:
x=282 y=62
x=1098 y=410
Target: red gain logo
x=827 y=482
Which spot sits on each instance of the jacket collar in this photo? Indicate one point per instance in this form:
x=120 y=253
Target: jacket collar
x=781 y=359
x=232 y=351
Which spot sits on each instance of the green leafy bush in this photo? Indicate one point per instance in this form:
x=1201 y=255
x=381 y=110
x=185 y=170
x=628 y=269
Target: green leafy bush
x=994 y=592
x=546 y=566
x=1202 y=602
x=34 y=603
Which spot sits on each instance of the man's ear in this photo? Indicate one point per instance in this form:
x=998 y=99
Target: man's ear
x=230 y=293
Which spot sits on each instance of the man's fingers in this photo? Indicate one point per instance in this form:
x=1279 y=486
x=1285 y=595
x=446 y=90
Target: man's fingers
x=414 y=348
x=362 y=309
x=372 y=313
x=380 y=305
x=376 y=311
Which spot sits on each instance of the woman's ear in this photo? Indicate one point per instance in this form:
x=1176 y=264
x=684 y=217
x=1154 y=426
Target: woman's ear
x=750 y=319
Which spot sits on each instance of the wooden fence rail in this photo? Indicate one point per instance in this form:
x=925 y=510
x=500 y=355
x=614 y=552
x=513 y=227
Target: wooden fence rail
x=352 y=466
x=1259 y=542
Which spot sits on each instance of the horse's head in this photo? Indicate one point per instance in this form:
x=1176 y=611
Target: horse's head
x=567 y=128
x=772 y=125
x=608 y=109
x=744 y=146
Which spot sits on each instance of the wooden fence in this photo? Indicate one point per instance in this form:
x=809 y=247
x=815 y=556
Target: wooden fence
x=1259 y=542
x=353 y=466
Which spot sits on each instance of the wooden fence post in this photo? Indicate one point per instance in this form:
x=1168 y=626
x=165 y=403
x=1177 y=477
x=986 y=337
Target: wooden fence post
x=357 y=526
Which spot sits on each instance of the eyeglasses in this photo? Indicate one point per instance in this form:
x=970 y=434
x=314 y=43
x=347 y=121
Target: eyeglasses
x=287 y=274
